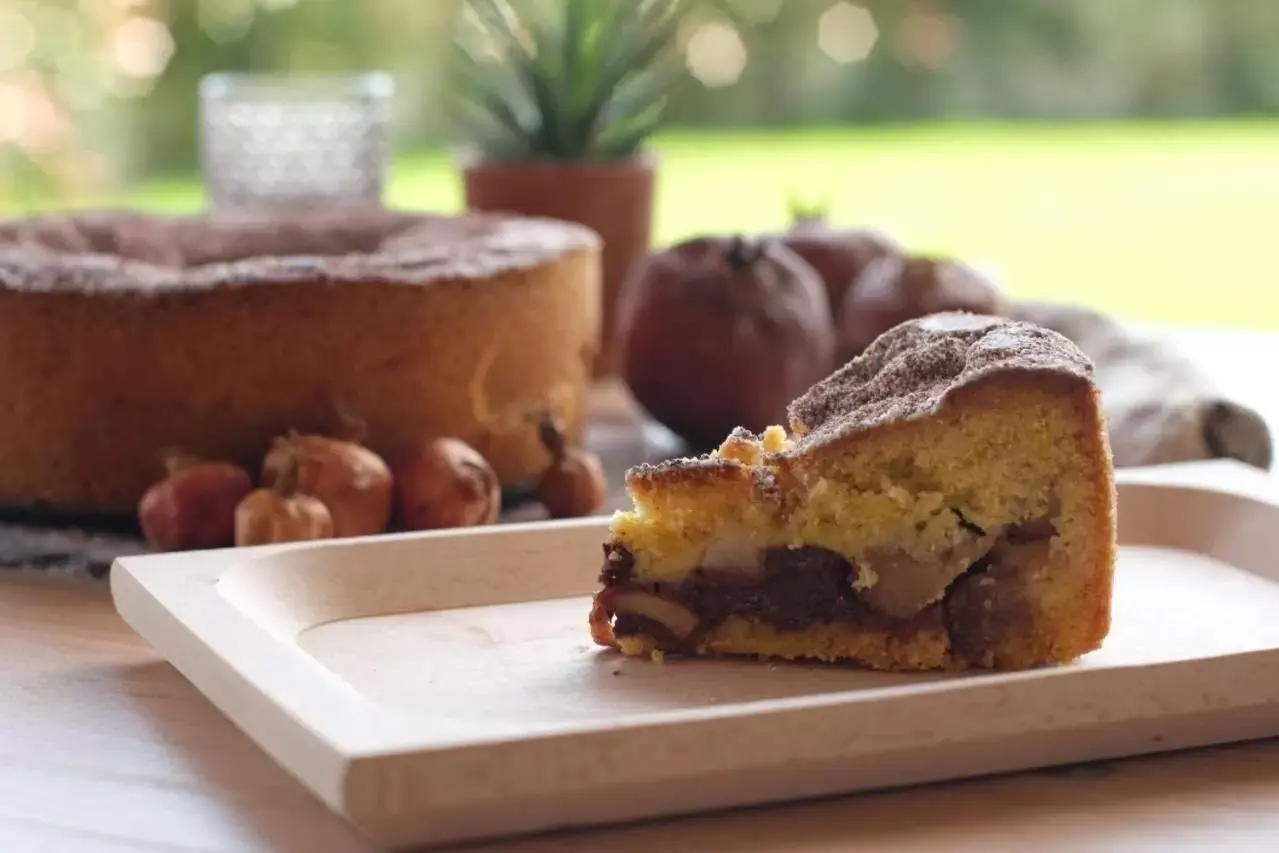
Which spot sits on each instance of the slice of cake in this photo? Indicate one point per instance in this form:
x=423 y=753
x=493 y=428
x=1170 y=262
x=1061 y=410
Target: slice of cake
x=944 y=501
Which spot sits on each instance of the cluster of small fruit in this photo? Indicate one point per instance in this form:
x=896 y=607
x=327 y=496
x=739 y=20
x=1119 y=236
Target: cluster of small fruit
x=321 y=487
x=720 y=331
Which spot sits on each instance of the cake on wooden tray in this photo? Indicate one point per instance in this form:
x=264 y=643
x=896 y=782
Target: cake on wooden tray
x=944 y=501
x=124 y=334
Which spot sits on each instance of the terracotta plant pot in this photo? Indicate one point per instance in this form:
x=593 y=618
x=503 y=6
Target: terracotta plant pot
x=613 y=199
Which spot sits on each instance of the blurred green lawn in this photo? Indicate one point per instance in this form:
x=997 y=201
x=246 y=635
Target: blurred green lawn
x=1161 y=222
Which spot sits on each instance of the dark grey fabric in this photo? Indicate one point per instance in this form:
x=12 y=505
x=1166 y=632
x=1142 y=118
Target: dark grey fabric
x=1161 y=408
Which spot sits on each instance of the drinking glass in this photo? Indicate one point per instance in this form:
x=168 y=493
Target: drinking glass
x=279 y=142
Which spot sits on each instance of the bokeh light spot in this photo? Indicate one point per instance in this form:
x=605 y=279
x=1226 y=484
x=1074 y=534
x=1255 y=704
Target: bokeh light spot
x=758 y=11
x=226 y=20
x=716 y=54
x=141 y=47
x=847 y=33
x=928 y=39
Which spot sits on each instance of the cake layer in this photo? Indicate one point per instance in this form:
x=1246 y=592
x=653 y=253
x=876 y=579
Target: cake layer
x=920 y=492
x=968 y=618
x=123 y=335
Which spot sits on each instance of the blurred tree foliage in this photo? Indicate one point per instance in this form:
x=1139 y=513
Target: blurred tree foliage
x=97 y=91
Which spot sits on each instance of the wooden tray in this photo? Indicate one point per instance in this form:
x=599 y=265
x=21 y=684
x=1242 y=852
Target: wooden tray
x=441 y=687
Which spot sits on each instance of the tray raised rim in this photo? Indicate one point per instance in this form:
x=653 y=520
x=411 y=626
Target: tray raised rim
x=366 y=763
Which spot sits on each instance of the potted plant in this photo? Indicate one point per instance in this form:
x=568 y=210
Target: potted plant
x=559 y=100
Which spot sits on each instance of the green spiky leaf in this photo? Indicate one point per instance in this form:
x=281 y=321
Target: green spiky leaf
x=566 y=79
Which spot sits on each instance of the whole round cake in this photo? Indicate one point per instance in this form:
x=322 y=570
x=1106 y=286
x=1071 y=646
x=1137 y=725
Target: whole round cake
x=125 y=335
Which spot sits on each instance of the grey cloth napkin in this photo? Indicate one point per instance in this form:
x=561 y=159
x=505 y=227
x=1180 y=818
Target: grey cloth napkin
x=1160 y=407
x=63 y=551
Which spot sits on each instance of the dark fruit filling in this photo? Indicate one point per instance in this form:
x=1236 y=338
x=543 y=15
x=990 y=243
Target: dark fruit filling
x=802 y=587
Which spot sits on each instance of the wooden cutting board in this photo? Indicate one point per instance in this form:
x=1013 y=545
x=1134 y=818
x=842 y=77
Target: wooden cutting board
x=442 y=687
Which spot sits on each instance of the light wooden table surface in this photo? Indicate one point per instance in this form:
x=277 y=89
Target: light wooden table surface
x=105 y=748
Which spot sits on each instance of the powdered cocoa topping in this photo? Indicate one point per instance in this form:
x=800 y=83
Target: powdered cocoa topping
x=704 y=467
x=131 y=252
x=913 y=369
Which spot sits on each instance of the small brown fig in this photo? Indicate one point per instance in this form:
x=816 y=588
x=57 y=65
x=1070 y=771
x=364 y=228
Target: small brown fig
x=573 y=484
x=839 y=255
x=446 y=483
x=193 y=507
x=893 y=290
x=348 y=478
x=720 y=332
x=281 y=513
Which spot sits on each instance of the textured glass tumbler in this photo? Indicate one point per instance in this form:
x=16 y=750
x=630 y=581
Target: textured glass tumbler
x=288 y=142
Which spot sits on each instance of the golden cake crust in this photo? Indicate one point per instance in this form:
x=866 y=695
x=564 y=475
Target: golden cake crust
x=124 y=334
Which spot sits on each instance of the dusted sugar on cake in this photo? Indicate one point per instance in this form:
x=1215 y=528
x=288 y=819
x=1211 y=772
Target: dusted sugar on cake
x=944 y=501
